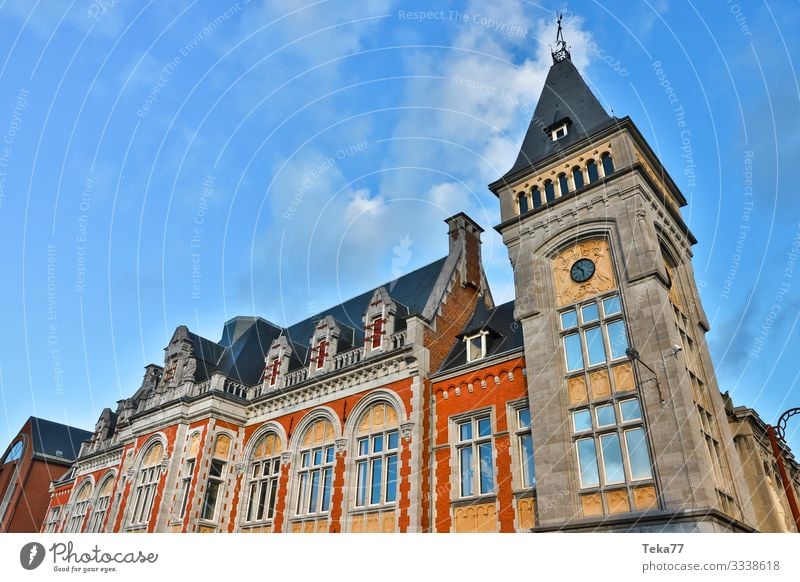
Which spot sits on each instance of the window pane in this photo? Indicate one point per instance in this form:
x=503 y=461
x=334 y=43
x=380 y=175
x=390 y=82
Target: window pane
x=329 y=455
x=273 y=494
x=572 y=347
x=301 y=493
x=528 y=473
x=549 y=191
x=617 y=339
x=630 y=410
x=524 y=418
x=487 y=472
x=612 y=458
x=484 y=427
x=589 y=313
x=276 y=466
x=581 y=420
x=391 y=478
x=523 y=203
x=377 y=474
x=591 y=169
x=611 y=306
x=605 y=415
x=465 y=458
x=569 y=319
x=314 y=493
x=262 y=500
x=392 y=438
x=465 y=431
x=475 y=348
x=210 y=503
x=377 y=443
x=361 y=485
x=637 y=454
x=318 y=457
x=594 y=346
x=363 y=446
x=587 y=459
x=326 y=489
x=577 y=177
x=305 y=459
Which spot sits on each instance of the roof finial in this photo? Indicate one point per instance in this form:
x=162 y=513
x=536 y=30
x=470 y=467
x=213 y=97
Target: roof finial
x=560 y=52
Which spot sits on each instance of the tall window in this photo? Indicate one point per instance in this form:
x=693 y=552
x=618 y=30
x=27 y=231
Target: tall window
x=315 y=470
x=593 y=333
x=536 y=196
x=145 y=488
x=273 y=371
x=15 y=453
x=608 y=164
x=591 y=169
x=320 y=353
x=377 y=442
x=525 y=446
x=522 y=199
x=216 y=477
x=563 y=184
x=263 y=475
x=377 y=332
x=101 y=503
x=52 y=519
x=549 y=191
x=475 y=463
x=186 y=486
x=80 y=508
x=611 y=449
x=577 y=177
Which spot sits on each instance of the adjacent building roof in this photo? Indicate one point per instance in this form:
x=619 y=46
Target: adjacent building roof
x=565 y=98
x=56 y=440
x=504 y=334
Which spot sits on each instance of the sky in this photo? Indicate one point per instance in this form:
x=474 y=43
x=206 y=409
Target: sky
x=169 y=163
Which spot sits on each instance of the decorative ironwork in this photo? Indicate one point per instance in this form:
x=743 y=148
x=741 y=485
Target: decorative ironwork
x=780 y=426
x=560 y=51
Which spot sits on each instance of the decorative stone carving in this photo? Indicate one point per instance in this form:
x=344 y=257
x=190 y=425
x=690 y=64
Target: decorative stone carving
x=286 y=457
x=341 y=445
x=239 y=467
x=567 y=290
x=406 y=429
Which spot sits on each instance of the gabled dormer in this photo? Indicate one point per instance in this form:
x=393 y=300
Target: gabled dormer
x=379 y=322
x=276 y=364
x=324 y=345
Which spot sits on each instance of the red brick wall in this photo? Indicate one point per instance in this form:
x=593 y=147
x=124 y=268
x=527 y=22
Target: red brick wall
x=493 y=395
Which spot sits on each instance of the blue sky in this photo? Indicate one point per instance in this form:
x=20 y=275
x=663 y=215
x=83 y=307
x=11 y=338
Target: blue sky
x=170 y=163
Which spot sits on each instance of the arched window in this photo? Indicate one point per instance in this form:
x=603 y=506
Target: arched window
x=549 y=191
x=537 y=197
x=216 y=477
x=15 y=453
x=608 y=164
x=522 y=199
x=563 y=184
x=101 y=503
x=79 y=508
x=377 y=442
x=591 y=169
x=188 y=473
x=314 y=476
x=263 y=473
x=577 y=177
x=145 y=487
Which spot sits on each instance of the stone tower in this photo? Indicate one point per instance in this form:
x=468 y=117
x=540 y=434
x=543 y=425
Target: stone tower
x=629 y=426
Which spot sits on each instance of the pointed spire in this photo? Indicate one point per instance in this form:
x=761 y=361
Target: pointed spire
x=560 y=52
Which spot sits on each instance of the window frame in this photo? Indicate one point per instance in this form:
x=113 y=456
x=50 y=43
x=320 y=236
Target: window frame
x=144 y=489
x=474 y=444
x=101 y=506
x=261 y=484
x=304 y=478
x=469 y=338
x=603 y=322
x=15 y=452
x=368 y=461
x=519 y=433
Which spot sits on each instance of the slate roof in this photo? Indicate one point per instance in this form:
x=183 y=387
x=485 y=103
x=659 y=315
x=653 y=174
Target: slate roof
x=504 y=334
x=54 y=439
x=565 y=95
x=239 y=354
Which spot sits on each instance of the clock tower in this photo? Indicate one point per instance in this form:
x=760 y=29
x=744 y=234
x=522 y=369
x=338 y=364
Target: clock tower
x=628 y=423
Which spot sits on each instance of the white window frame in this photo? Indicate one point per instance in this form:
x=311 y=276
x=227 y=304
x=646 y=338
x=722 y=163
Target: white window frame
x=304 y=476
x=368 y=461
x=80 y=509
x=467 y=339
x=561 y=128
x=186 y=485
x=52 y=519
x=519 y=434
x=144 y=495
x=474 y=443
x=100 y=508
x=258 y=482
x=218 y=481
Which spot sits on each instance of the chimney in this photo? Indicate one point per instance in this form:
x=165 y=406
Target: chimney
x=464 y=235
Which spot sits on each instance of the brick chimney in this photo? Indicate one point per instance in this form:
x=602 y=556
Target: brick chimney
x=464 y=236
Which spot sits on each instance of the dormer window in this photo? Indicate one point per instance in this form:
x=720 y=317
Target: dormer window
x=476 y=346
x=320 y=353
x=377 y=326
x=559 y=131
x=274 y=370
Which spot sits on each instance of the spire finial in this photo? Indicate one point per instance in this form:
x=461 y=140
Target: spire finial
x=560 y=52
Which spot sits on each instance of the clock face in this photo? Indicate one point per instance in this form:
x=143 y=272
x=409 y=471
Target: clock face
x=582 y=270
